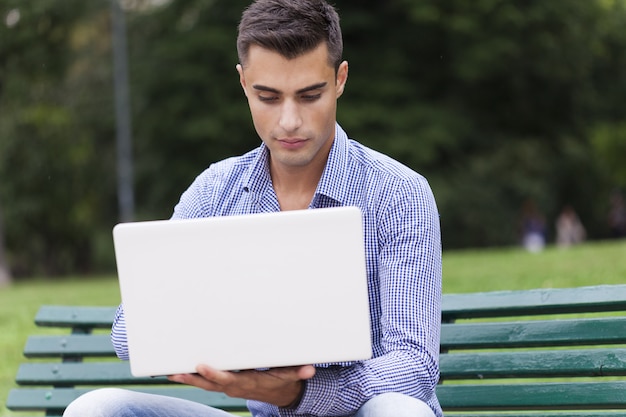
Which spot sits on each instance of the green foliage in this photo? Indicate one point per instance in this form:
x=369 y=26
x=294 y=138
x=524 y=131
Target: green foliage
x=494 y=101
x=58 y=172
x=491 y=100
x=609 y=144
x=189 y=108
x=52 y=160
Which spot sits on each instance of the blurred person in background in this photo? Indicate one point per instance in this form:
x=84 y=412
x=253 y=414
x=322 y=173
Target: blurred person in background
x=569 y=229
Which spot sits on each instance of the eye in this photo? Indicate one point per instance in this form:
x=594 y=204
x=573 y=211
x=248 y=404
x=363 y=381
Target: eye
x=311 y=97
x=268 y=99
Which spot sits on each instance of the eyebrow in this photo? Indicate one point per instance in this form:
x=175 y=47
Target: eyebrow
x=300 y=91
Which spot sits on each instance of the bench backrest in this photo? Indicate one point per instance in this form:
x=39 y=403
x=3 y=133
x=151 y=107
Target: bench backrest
x=500 y=351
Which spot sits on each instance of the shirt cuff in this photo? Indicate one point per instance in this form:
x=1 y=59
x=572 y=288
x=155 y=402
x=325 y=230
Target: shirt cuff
x=320 y=393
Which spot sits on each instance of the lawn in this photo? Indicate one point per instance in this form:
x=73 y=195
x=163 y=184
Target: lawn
x=463 y=271
x=513 y=268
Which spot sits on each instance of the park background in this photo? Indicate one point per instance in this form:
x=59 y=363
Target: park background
x=498 y=103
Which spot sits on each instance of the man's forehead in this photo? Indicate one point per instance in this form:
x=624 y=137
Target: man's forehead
x=270 y=70
x=320 y=52
x=308 y=88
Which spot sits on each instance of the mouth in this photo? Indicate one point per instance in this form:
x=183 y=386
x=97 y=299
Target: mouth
x=292 y=143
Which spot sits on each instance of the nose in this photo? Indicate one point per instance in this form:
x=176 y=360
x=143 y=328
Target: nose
x=290 y=117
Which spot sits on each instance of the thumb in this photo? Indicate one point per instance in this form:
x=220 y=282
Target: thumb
x=306 y=372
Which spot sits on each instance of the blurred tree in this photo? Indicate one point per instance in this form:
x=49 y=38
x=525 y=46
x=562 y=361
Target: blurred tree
x=5 y=272
x=189 y=108
x=51 y=165
x=607 y=133
x=609 y=145
x=491 y=99
x=494 y=101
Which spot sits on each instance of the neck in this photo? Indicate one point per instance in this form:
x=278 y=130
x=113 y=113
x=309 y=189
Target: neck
x=295 y=186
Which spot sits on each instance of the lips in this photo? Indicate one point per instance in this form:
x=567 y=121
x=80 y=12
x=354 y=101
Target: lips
x=292 y=143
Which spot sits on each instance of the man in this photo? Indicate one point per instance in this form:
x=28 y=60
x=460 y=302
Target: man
x=292 y=74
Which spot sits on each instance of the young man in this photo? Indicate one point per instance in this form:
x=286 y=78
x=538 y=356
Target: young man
x=292 y=74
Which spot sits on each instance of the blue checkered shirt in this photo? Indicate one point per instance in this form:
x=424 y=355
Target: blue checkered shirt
x=403 y=250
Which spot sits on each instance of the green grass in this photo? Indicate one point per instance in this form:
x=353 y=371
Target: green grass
x=18 y=306
x=464 y=271
x=513 y=268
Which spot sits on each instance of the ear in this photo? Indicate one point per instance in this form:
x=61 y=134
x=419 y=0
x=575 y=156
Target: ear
x=342 y=78
x=242 y=79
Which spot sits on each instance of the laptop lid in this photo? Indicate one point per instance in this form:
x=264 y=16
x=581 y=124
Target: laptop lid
x=244 y=292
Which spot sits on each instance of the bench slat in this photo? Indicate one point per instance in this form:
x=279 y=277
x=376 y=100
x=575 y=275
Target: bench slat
x=599 y=298
x=75 y=316
x=609 y=395
x=534 y=302
x=534 y=364
x=34 y=399
x=69 y=345
x=84 y=373
x=556 y=363
x=453 y=336
x=538 y=396
x=571 y=332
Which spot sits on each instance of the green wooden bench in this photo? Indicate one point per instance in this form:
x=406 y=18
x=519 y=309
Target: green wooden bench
x=546 y=352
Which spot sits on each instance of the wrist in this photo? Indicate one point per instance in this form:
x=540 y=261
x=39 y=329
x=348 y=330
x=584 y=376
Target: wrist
x=296 y=402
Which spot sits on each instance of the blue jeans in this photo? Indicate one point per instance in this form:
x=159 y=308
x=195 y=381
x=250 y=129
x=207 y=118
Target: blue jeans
x=115 y=402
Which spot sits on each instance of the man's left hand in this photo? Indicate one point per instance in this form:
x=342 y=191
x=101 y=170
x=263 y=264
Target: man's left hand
x=279 y=386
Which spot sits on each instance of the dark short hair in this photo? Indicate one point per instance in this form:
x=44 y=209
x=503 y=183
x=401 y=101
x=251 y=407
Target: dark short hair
x=291 y=28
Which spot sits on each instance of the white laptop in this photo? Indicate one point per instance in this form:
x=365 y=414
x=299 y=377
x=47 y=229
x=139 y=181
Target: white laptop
x=244 y=292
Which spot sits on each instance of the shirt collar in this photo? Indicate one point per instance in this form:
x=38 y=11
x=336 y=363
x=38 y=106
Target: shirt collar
x=257 y=178
x=333 y=184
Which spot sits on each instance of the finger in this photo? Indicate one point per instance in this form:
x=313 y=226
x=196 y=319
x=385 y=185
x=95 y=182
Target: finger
x=306 y=372
x=176 y=378
x=215 y=376
x=194 y=380
x=293 y=373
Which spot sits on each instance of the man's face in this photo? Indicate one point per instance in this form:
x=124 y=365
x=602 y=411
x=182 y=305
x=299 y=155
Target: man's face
x=293 y=103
